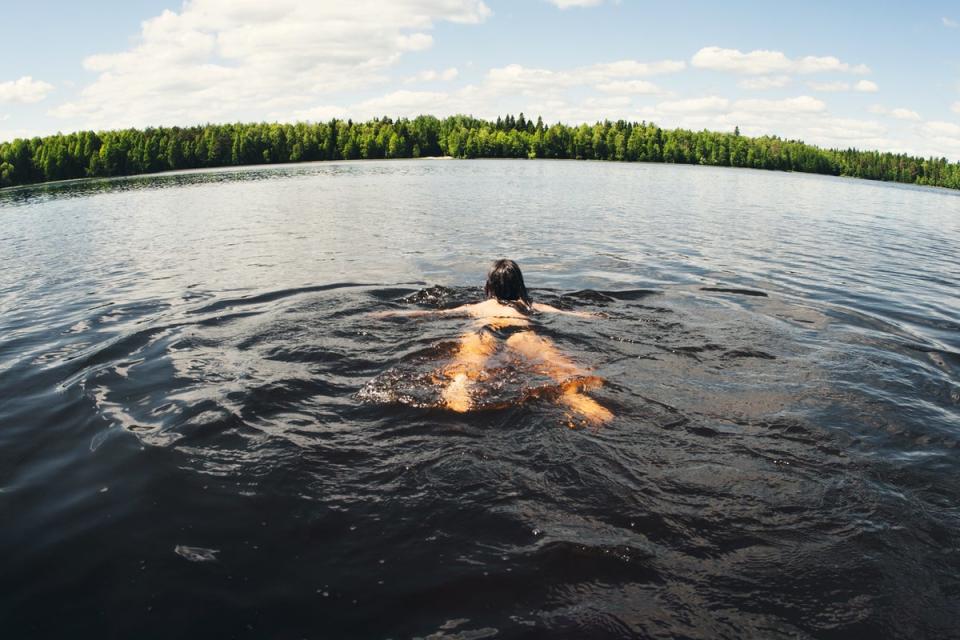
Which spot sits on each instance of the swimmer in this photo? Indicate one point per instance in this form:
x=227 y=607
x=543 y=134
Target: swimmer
x=505 y=314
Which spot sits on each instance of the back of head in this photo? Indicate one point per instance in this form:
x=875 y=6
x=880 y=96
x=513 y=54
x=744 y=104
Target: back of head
x=505 y=283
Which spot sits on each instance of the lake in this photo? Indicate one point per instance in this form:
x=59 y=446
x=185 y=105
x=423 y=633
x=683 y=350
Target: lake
x=204 y=430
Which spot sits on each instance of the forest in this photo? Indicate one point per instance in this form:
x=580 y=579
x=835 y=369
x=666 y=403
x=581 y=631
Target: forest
x=88 y=154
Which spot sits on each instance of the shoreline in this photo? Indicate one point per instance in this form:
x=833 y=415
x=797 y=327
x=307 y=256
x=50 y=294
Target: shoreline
x=132 y=152
x=261 y=166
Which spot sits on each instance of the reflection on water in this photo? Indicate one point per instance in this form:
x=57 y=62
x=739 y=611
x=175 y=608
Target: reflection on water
x=185 y=443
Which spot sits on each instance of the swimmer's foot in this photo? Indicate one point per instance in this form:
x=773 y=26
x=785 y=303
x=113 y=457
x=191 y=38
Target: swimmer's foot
x=591 y=410
x=582 y=382
x=456 y=395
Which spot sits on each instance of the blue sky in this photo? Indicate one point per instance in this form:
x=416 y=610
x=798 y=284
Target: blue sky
x=877 y=74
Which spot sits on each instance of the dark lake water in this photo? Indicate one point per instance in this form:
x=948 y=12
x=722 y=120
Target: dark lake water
x=191 y=444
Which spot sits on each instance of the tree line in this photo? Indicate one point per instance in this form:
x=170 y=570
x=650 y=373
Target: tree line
x=88 y=154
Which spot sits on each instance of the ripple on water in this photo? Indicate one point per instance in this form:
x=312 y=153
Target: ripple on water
x=782 y=462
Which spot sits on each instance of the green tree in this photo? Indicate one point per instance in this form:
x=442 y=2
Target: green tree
x=132 y=151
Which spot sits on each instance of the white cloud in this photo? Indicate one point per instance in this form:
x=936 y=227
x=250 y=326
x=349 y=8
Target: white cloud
x=942 y=129
x=403 y=102
x=848 y=131
x=819 y=128
x=946 y=136
x=864 y=86
x=323 y=112
x=764 y=62
x=588 y=110
x=764 y=82
x=629 y=86
x=12 y=134
x=516 y=88
x=26 y=90
x=516 y=77
x=627 y=68
x=800 y=104
x=955 y=107
x=829 y=86
x=220 y=60
x=905 y=114
x=414 y=42
x=431 y=75
x=311 y=60
x=899 y=113
x=567 y=4
x=619 y=76
x=694 y=105
x=801 y=117
x=952 y=24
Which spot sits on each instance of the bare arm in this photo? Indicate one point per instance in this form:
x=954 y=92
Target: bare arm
x=421 y=313
x=546 y=308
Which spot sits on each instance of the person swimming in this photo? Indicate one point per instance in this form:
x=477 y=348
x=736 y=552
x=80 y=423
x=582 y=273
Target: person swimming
x=505 y=316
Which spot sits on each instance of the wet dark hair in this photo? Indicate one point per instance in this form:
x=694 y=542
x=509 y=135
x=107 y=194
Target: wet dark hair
x=505 y=283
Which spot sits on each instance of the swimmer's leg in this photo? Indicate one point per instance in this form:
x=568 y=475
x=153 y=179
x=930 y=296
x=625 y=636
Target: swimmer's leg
x=544 y=353
x=468 y=363
x=594 y=412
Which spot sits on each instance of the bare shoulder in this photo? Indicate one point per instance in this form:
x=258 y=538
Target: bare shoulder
x=462 y=310
x=480 y=309
x=422 y=313
x=492 y=309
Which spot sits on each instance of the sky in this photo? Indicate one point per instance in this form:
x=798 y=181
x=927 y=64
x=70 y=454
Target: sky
x=872 y=75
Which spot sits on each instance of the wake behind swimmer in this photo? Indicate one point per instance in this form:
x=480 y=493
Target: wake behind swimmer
x=504 y=320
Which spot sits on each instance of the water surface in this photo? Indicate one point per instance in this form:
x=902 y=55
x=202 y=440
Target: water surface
x=186 y=445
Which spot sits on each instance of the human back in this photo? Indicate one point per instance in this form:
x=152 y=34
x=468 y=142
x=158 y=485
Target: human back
x=508 y=307
x=503 y=322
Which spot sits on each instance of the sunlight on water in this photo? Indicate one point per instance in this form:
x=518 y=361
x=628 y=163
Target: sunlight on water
x=203 y=419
